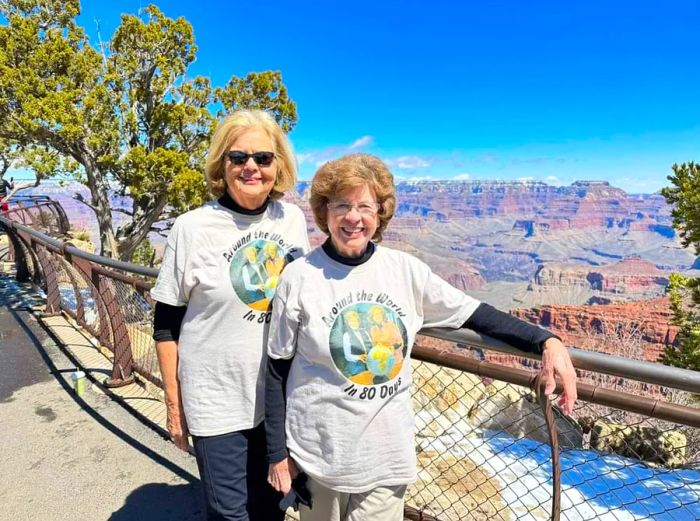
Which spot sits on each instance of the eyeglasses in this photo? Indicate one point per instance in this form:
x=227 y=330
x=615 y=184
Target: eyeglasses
x=365 y=208
x=239 y=158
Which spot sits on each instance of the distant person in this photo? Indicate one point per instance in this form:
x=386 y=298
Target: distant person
x=355 y=441
x=5 y=185
x=211 y=309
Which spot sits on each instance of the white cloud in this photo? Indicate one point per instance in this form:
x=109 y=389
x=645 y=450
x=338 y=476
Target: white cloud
x=415 y=178
x=408 y=162
x=361 y=142
x=304 y=157
x=527 y=179
x=323 y=155
x=462 y=177
x=554 y=180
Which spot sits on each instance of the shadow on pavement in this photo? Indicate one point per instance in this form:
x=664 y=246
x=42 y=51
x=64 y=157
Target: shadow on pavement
x=161 y=502
x=13 y=299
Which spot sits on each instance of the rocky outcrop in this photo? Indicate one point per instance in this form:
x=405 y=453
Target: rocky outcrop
x=632 y=277
x=650 y=444
x=645 y=323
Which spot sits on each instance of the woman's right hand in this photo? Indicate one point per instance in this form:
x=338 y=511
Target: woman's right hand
x=176 y=422
x=281 y=474
x=177 y=426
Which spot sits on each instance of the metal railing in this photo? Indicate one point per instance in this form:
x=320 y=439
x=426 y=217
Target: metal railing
x=39 y=212
x=627 y=452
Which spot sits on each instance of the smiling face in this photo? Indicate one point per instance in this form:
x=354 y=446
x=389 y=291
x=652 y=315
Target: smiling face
x=351 y=232
x=250 y=254
x=376 y=315
x=250 y=184
x=353 y=320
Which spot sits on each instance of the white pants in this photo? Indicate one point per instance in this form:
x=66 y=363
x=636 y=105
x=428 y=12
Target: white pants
x=378 y=504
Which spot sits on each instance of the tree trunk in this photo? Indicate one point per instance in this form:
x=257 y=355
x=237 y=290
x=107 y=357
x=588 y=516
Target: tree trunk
x=145 y=213
x=99 y=194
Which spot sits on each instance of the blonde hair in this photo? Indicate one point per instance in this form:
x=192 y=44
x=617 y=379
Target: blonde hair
x=348 y=172
x=229 y=130
x=376 y=309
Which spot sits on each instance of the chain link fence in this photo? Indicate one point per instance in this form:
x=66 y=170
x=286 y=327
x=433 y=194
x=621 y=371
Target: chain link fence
x=484 y=453
x=482 y=442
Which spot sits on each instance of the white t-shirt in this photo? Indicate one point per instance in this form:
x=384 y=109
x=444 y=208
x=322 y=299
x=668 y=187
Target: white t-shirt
x=349 y=422
x=225 y=266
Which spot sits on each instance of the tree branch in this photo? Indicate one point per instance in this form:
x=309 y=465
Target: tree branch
x=79 y=197
x=17 y=188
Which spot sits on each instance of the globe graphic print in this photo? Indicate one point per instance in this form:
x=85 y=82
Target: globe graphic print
x=270 y=287
x=381 y=360
x=368 y=343
x=254 y=271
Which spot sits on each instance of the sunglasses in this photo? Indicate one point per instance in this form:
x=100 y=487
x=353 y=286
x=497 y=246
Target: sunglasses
x=239 y=158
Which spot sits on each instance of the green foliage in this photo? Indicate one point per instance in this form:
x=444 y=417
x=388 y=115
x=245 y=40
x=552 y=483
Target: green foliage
x=124 y=117
x=264 y=91
x=144 y=254
x=685 y=196
x=684 y=293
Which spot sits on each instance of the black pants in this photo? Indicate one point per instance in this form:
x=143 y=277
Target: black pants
x=233 y=470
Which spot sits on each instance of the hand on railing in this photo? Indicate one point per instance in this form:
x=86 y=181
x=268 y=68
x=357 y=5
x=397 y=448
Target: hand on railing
x=556 y=361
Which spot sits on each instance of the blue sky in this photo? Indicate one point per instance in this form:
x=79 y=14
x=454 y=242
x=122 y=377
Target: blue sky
x=550 y=91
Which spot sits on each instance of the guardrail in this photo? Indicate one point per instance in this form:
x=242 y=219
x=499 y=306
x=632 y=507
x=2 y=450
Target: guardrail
x=482 y=443
x=39 y=212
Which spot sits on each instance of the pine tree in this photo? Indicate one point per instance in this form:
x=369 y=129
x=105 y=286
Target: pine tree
x=122 y=117
x=685 y=291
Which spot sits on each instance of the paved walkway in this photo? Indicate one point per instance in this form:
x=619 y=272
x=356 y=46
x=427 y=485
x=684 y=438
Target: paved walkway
x=65 y=457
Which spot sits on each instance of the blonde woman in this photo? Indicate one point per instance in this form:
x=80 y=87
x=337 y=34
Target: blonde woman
x=209 y=324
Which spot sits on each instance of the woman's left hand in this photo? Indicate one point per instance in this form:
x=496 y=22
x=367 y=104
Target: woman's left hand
x=556 y=360
x=281 y=474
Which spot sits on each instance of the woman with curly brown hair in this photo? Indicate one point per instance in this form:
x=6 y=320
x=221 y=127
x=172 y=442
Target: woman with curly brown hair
x=352 y=432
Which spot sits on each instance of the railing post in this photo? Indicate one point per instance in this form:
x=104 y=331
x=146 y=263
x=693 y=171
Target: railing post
x=22 y=270
x=122 y=371
x=86 y=270
x=53 y=297
x=62 y=217
x=79 y=308
x=105 y=320
x=37 y=274
x=42 y=216
x=11 y=249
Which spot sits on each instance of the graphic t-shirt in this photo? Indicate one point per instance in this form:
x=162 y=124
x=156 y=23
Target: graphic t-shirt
x=350 y=329
x=225 y=267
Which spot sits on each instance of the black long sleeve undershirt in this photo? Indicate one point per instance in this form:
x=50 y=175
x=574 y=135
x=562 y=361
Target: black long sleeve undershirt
x=276 y=408
x=486 y=319
x=495 y=323
x=167 y=321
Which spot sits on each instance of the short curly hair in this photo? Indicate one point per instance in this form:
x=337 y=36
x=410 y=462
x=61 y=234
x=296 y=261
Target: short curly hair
x=346 y=173
x=231 y=128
